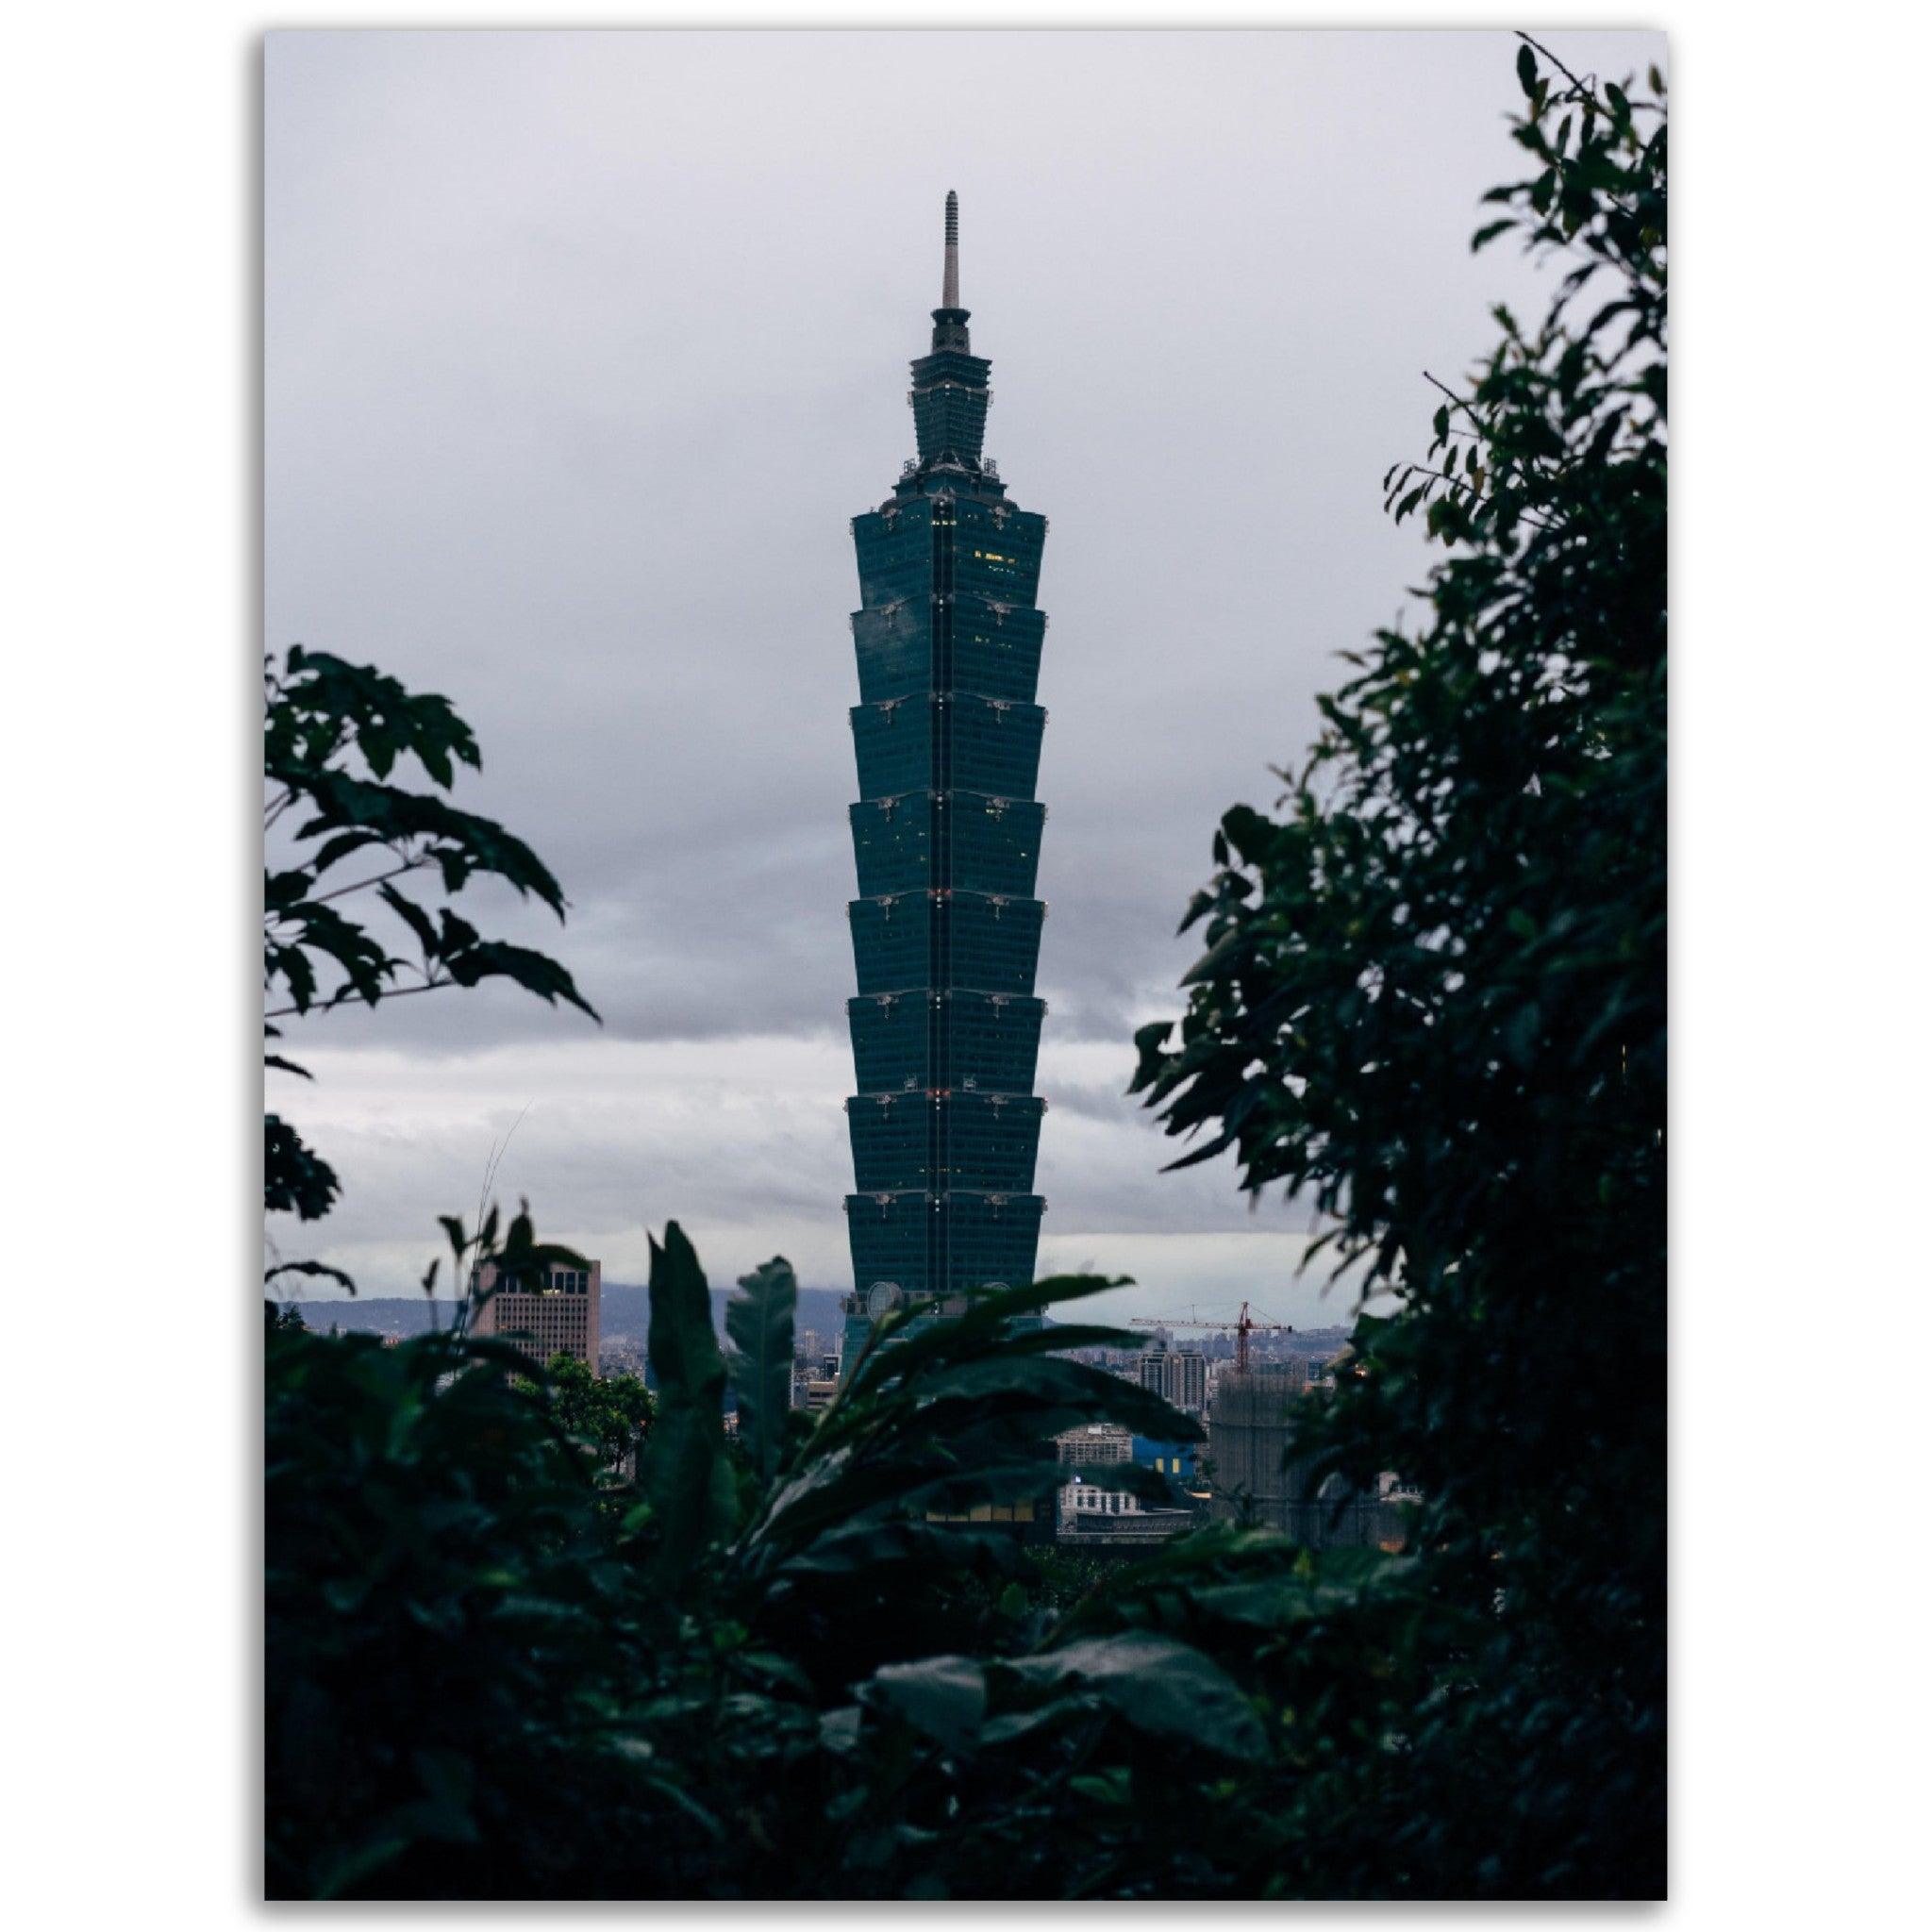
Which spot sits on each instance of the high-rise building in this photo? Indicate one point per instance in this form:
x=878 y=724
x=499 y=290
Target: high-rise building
x=1176 y=1375
x=1187 y=1380
x=945 y=931
x=1151 y=1369
x=564 y=1317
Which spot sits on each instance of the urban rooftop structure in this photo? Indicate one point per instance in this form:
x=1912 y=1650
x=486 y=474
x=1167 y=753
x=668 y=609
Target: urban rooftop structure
x=945 y=931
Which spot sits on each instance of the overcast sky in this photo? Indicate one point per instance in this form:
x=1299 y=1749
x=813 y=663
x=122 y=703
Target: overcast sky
x=581 y=350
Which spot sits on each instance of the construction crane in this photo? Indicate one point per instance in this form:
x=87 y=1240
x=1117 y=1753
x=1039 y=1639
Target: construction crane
x=1244 y=1326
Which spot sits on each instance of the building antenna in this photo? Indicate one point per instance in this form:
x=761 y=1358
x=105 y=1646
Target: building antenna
x=949 y=296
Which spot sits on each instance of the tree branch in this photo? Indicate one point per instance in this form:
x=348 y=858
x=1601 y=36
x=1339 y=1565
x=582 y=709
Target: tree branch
x=1462 y=403
x=348 y=996
x=343 y=892
x=1581 y=88
x=1464 y=484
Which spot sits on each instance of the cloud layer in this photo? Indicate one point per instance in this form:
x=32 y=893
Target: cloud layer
x=580 y=350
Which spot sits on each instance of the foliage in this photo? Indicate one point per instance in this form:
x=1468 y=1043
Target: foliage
x=295 y=1180
x=1433 y=1002
x=759 y=1322
x=688 y=1477
x=612 y=1413
x=334 y=735
x=482 y=1683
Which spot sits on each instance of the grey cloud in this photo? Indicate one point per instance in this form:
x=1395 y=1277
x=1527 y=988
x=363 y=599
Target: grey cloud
x=582 y=348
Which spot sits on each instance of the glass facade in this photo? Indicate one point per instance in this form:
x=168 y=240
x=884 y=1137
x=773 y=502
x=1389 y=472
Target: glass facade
x=971 y=1040
x=994 y=841
x=988 y=746
x=946 y=832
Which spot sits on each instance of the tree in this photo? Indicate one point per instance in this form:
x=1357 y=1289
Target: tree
x=484 y=1682
x=612 y=1413
x=334 y=734
x=1433 y=1003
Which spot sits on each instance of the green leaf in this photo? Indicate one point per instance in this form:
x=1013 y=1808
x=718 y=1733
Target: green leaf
x=838 y=1729
x=341 y=846
x=1160 y=1685
x=759 y=1322
x=687 y=1478
x=1526 y=71
x=1214 y=962
x=321 y=1268
x=1049 y=1381
x=295 y=1179
x=412 y=916
x=985 y=1320
x=943 y=1696
x=344 y=1873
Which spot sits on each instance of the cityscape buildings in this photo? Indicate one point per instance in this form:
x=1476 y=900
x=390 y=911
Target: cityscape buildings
x=1179 y=1460
x=1096 y=1443
x=814 y=1373
x=621 y=1356
x=564 y=1317
x=1093 y=1512
x=945 y=931
x=1090 y=1508
x=1178 y=1376
x=1255 y=1478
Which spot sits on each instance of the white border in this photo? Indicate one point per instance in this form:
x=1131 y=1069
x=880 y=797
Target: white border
x=1799 y=1339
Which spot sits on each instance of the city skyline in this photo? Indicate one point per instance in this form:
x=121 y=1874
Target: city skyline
x=576 y=361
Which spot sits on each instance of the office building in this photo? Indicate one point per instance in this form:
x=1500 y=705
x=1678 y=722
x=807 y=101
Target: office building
x=563 y=1317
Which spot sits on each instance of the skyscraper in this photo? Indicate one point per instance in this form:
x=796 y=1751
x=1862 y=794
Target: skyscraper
x=945 y=931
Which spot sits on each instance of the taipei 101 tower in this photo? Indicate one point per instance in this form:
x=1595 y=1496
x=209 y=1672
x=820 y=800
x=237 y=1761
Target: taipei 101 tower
x=945 y=931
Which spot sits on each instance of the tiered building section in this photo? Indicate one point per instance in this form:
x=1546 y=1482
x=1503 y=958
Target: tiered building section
x=945 y=931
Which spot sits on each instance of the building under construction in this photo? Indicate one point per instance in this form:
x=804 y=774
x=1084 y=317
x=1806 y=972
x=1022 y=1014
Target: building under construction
x=1254 y=1480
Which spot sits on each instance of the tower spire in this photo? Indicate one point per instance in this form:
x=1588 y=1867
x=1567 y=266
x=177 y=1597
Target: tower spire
x=949 y=294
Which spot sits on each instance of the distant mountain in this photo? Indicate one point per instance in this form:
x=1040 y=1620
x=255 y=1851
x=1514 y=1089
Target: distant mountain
x=626 y=1312
x=375 y=1314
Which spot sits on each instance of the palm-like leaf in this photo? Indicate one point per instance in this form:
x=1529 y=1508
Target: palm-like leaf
x=687 y=1478
x=758 y=1321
